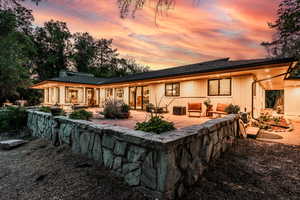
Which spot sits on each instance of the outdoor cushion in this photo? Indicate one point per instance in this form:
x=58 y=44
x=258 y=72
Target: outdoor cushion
x=221 y=107
x=194 y=107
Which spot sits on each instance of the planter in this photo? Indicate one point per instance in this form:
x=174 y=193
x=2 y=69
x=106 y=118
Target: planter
x=124 y=115
x=208 y=111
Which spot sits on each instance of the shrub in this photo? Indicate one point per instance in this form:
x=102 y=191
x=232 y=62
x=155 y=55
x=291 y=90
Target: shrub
x=277 y=120
x=265 y=117
x=115 y=110
x=81 y=114
x=156 y=124
x=125 y=108
x=45 y=109
x=57 y=111
x=232 y=109
x=12 y=118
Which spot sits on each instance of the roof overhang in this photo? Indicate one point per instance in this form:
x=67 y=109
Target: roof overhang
x=49 y=83
x=259 y=72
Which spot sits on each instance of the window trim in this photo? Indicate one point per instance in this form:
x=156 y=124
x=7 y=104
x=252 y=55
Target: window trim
x=172 y=95
x=219 y=81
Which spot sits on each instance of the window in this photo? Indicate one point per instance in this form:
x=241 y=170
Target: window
x=172 y=89
x=74 y=95
x=119 y=93
x=219 y=87
x=108 y=92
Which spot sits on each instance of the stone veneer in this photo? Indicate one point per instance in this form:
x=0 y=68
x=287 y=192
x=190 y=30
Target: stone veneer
x=161 y=166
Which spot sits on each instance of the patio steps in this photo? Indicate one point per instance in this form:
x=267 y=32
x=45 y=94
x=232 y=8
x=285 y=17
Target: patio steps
x=252 y=132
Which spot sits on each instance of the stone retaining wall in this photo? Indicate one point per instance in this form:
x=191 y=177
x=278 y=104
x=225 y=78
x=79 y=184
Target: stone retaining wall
x=161 y=166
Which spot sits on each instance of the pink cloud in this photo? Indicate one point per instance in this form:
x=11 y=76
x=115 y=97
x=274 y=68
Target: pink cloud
x=185 y=34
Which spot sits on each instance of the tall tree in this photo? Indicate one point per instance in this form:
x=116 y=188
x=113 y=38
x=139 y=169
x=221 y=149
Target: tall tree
x=84 y=51
x=16 y=47
x=286 y=41
x=53 y=44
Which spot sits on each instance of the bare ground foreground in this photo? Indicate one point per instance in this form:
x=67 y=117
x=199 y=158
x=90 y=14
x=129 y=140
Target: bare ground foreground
x=253 y=170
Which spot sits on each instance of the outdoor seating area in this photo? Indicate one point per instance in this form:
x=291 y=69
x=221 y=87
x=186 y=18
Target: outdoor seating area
x=140 y=116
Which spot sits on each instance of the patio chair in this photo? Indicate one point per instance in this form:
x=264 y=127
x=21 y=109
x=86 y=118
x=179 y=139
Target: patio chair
x=220 y=110
x=195 y=108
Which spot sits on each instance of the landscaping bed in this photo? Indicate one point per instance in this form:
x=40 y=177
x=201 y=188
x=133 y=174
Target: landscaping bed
x=253 y=170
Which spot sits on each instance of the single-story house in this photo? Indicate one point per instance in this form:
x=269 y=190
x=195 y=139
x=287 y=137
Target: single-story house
x=240 y=82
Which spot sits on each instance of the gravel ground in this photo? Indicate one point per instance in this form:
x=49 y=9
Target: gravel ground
x=253 y=170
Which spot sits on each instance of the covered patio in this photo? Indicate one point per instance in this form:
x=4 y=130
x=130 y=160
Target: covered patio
x=180 y=121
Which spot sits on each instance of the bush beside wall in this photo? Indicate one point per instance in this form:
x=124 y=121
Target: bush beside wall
x=12 y=118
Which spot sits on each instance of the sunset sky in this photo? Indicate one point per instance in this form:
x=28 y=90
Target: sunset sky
x=189 y=33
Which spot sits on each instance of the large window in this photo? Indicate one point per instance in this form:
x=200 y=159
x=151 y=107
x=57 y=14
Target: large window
x=119 y=93
x=172 y=89
x=74 y=95
x=219 y=87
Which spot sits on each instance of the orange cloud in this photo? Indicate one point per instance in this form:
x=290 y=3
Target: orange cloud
x=188 y=33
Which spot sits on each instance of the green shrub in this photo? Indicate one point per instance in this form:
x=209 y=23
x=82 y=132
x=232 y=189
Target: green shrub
x=233 y=109
x=265 y=117
x=13 y=118
x=156 y=124
x=277 y=120
x=81 y=114
x=45 y=109
x=125 y=108
x=115 y=110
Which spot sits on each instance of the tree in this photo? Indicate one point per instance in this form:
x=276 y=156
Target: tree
x=11 y=4
x=84 y=51
x=100 y=58
x=286 y=41
x=130 y=6
x=130 y=66
x=53 y=45
x=15 y=48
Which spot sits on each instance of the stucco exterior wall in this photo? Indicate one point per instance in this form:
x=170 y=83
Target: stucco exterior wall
x=191 y=91
x=291 y=101
x=197 y=91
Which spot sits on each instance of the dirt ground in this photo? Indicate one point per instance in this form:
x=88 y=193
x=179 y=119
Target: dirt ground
x=253 y=170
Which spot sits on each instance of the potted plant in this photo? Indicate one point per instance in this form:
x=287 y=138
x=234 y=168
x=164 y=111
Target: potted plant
x=233 y=109
x=209 y=107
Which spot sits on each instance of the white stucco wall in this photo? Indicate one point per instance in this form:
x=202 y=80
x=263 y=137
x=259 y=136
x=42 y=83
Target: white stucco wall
x=292 y=101
x=197 y=91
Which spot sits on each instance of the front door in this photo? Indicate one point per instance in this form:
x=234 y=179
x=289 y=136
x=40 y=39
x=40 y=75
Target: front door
x=139 y=97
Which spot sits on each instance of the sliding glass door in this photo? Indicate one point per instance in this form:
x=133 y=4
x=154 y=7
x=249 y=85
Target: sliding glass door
x=139 y=97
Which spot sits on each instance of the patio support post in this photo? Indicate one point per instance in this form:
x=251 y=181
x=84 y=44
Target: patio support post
x=46 y=95
x=62 y=95
x=84 y=95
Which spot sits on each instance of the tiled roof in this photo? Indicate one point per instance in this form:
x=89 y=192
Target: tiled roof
x=79 y=79
x=198 y=68
x=204 y=67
